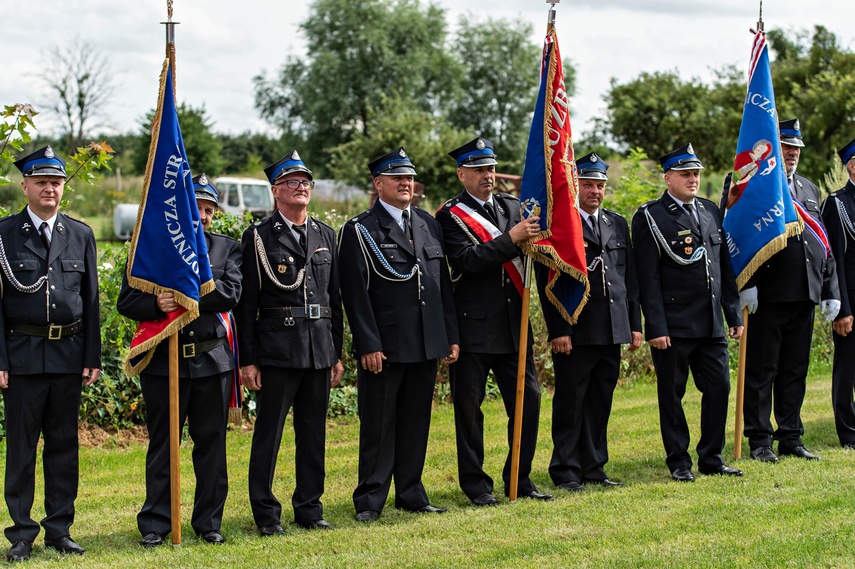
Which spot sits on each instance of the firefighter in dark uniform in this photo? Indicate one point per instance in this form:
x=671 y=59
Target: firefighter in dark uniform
x=51 y=339
x=586 y=355
x=481 y=232
x=838 y=213
x=686 y=280
x=398 y=298
x=781 y=298
x=206 y=366
x=290 y=329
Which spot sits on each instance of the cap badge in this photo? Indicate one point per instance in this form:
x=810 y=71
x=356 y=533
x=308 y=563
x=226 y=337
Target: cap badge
x=689 y=149
x=295 y=156
x=49 y=152
x=480 y=144
x=594 y=158
x=796 y=125
x=402 y=154
x=203 y=180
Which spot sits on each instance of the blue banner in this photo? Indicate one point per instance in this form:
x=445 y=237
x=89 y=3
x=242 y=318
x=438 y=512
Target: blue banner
x=759 y=214
x=168 y=250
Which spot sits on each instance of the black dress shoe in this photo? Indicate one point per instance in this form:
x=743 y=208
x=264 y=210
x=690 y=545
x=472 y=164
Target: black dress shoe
x=272 y=529
x=425 y=510
x=151 y=539
x=367 y=516
x=213 y=536
x=65 y=545
x=683 y=474
x=604 y=482
x=764 y=454
x=535 y=495
x=571 y=486
x=722 y=470
x=799 y=451
x=485 y=499
x=20 y=550
x=316 y=524
x=849 y=446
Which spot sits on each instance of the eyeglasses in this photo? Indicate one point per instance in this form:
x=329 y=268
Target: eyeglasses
x=296 y=184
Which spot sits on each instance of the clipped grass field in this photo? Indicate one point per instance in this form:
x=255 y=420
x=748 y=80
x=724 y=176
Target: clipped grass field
x=792 y=514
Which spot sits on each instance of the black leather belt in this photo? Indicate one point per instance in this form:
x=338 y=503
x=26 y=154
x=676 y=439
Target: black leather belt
x=193 y=350
x=310 y=311
x=52 y=332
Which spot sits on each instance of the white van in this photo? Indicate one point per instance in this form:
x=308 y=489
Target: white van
x=241 y=195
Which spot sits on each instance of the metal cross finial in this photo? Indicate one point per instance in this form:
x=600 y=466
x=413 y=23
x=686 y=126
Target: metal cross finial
x=169 y=8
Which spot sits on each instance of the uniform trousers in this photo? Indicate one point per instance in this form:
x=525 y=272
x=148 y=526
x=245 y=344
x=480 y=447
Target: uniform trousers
x=468 y=377
x=48 y=404
x=308 y=391
x=394 y=424
x=585 y=381
x=843 y=387
x=776 y=365
x=707 y=359
x=203 y=402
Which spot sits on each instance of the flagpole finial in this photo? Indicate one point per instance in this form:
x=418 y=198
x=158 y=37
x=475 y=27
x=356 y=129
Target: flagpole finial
x=552 y=3
x=760 y=26
x=170 y=25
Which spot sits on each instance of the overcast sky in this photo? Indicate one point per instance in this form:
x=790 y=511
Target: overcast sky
x=223 y=44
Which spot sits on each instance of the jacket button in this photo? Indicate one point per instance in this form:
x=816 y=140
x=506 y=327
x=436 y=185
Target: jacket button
x=53 y=306
x=311 y=294
x=418 y=260
x=611 y=301
x=191 y=333
x=606 y=268
x=50 y=269
x=52 y=287
x=309 y=277
x=608 y=284
x=423 y=303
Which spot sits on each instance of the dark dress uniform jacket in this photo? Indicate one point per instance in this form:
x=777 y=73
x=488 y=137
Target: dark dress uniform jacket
x=842 y=242
x=308 y=343
x=411 y=321
x=608 y=318
x=488 y=315
x=71 y=294
x=224 y=256
x=677 y=300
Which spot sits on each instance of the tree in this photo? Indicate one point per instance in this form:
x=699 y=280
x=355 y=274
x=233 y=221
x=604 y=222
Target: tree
x=358 y=50
x=499 y=85
x=80 y=80
x=427 y=139
x=813 y=78
x=202 y=146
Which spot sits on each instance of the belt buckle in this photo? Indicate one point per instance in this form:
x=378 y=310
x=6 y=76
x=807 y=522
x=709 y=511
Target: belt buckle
x=54 y=332
x=313 y=311
x=188 y=350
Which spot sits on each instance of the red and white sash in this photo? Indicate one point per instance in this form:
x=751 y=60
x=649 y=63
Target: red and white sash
x=484 y=230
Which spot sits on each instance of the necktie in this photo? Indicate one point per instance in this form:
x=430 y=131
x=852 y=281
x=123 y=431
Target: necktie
x=44 y=229
x=691 y=211
x=491 y=212
x=593 y=221
x=301 y=230
x=405 y=219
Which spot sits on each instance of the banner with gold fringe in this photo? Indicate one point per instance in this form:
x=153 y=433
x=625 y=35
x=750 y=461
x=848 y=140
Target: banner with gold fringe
x=549 y=189
x=759 y=211
x=168 y=250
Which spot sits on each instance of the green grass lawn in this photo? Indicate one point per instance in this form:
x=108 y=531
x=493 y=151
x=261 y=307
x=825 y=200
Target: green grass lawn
x=793 y=514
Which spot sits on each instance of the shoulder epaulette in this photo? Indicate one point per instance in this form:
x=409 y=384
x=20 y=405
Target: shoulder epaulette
x=612 y=212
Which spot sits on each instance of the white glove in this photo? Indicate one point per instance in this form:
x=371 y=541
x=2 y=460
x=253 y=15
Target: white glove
x=829 y=309
x=748 y=299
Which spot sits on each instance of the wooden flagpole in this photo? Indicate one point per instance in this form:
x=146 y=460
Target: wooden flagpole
x=518 y=401
x=740 y=386
x=743 y=346
x=174 y=425
x=523 y=347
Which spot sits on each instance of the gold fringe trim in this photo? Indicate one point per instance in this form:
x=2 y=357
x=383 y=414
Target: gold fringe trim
x=776 y=245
